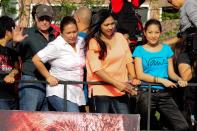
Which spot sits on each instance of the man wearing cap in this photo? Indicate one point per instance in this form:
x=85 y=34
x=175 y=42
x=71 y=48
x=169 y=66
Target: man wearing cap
x=32 y=95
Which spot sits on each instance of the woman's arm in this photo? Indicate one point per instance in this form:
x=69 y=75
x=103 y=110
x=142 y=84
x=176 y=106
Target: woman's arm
x=119 y=85
x=172 y=75
x=96 y=67
x=172 y=41
x=131 y=70
x=185 y=71
x=132 y=74
x=109 y=79
x=43 y=70
x=140 y=72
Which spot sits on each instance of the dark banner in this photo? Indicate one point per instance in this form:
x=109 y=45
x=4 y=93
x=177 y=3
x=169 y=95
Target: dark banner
x=66 y=121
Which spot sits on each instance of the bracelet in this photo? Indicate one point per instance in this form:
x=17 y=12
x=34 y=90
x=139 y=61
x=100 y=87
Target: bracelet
x=155 y=79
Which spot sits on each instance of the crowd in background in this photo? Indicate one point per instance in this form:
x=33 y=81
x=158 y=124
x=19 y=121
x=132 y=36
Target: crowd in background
x=88 y=47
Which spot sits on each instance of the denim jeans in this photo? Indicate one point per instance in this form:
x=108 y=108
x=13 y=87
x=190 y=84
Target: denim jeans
x=166 y=106
x=32 y=96
x=107 y=104
x=8 y=104
x=8 y=97
x=57 y=104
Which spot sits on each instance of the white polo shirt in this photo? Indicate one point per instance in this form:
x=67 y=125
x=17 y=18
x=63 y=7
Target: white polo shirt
x=66 y=65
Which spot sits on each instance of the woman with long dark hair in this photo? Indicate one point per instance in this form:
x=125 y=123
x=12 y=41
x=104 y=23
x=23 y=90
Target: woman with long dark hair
x=110 y=60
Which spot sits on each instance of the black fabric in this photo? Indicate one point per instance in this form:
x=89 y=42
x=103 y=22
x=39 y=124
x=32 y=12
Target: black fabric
x=107 y=104
x=7 y=59
x=183 y=58
x=29 y=47
x=128 y=21
x=186 y=97
x=165 y=105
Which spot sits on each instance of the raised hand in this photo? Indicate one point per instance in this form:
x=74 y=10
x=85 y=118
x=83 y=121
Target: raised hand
x=18 y=34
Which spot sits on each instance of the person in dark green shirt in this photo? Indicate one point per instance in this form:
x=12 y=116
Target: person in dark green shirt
x=32 y=96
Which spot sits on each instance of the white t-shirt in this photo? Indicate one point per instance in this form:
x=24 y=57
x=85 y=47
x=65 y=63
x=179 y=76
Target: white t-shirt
x=66 y=65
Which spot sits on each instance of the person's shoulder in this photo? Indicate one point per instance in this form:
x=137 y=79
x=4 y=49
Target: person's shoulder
x=167 y=49
x=166 y=46
x=138 y=51
x=80 y=38
x=82 y=34
x=120 y=38
x=57 y=41
x=93 y=44
x=189 y=4
x=118 y=35
x=139 y=47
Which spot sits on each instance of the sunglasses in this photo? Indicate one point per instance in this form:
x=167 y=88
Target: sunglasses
x=42 y=18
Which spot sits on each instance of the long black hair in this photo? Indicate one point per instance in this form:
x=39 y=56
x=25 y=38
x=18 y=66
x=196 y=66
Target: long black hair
x=95 y=31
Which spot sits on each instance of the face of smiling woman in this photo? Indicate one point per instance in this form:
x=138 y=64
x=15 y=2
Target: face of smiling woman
x=108 y=27
x=152 y=34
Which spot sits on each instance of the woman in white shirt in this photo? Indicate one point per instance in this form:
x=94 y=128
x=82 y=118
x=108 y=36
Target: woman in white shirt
x=66 y=56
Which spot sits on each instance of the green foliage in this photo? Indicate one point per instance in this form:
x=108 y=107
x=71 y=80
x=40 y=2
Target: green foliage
x=65 y=9
x=170 y=16
x=92 y=2
x=168 y=34
x=5 y=4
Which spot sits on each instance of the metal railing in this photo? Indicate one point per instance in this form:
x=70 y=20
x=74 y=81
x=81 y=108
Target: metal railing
x=65 y=83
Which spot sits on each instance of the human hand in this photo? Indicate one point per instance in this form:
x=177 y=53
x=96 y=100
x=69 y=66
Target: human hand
x=131 y=90
x=52 y=80
x=124 y=86
x=18 y=34
x=167 y=83
x=182 y=83
x=120 y=86
x=134 y=82
x=9 y=79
